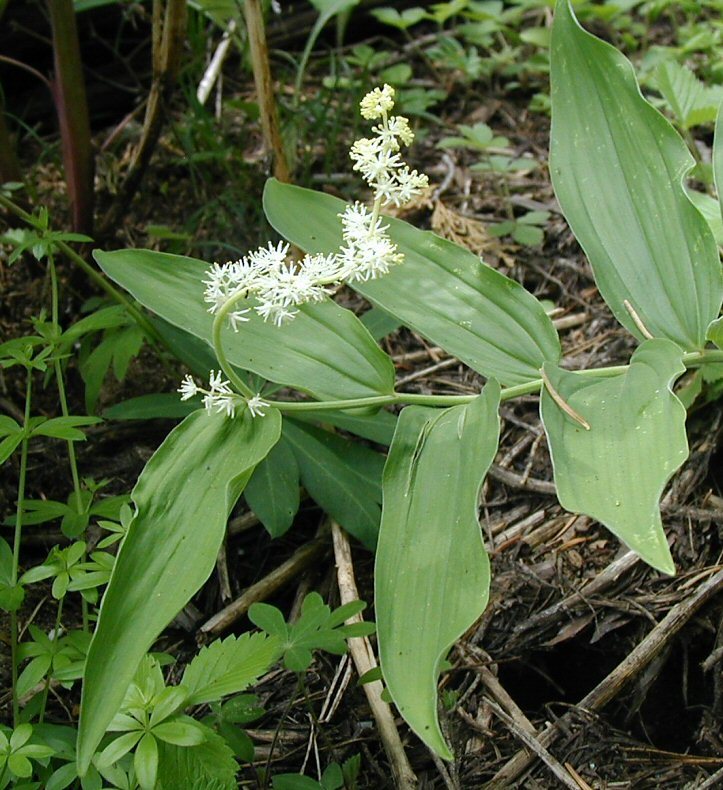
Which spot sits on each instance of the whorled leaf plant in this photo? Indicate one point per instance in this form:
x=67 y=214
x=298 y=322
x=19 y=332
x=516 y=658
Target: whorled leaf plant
x=616 y=434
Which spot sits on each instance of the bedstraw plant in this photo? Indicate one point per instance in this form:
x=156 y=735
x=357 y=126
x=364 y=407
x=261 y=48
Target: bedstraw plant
x=616 y=434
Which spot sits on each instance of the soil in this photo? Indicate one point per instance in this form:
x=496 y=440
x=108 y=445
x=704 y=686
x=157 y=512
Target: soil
x=553 y=648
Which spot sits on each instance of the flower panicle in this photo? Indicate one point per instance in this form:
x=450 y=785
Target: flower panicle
x=276 y=286
x=378 y=159
x=219 y=398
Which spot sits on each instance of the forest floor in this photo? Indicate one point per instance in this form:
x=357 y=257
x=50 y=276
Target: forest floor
x=586 y=662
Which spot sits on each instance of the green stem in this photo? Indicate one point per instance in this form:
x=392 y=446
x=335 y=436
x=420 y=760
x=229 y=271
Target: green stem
x=57 y=367
x=58 y=615
x=218 y=324
x=95 y=276
x=16 y=546
x=691 y=359
x=59 y=377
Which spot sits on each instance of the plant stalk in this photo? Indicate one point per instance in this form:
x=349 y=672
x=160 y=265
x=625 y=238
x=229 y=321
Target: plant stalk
x=72 y=107
x=16 y=546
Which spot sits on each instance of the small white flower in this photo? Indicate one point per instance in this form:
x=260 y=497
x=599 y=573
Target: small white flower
x=276 y=314
x=188 y=387
x=238 y=317
x=217 y=383
x=219 y=403
x=257 y=406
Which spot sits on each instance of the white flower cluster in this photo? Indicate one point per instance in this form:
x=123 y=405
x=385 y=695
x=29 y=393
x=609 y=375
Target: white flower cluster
x=278 y=285
x=378 y=158
x=219 y=397
x=369 y=252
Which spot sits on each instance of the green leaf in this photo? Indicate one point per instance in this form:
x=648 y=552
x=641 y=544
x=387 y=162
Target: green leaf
x=379 y=323
x=294 y=782
x=377 y=427
x=268 y=618
x=145 y=762
x=718 y=157
x=709 y=207
x=617 y=167
x=229 y=666
x=8 y=445
x=273 y=490
x=160 y=405
x=342 y=477
x=325 y=350
x=65 y=427
x=715 y=332
x=616 y=471
x=432 y=572
x=208 y=766
x=680 y=88
x=183 y=731
x=183 y=498
x=8 y=426
x=118 y=747
x=408 y=17
x=445 y=292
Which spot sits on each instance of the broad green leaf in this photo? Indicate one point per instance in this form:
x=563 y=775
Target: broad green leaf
x=718 y=157
x=377 y=427
x=158 y=405
x=616 y=471
x=273 y=490
x=342 y=477
x=617 y=167
x=379 y=323
x=183 y=498
x=325 y=350
x=228 y=666
x=445 y=292
x=432 y=573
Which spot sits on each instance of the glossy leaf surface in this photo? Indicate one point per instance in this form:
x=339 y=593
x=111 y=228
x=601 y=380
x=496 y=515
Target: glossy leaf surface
x=325 y=351
x=432 y=572
x=616 y=471
x=445 y=292
x=617 y=167
x=183 y=498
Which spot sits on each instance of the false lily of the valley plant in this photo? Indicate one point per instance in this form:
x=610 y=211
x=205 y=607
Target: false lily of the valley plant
x=616 y=435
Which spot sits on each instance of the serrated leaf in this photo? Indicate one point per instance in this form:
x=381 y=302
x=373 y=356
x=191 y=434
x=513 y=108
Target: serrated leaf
x=228 y=666
x=208 y=766
x=445 y=292
x=432 y=572
x=325 y=350
x=268 y=618
x=273 y=490
x=617 y=167
x=616 y=471
x=680 y=88
x=183 y=498
x=343 y=477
